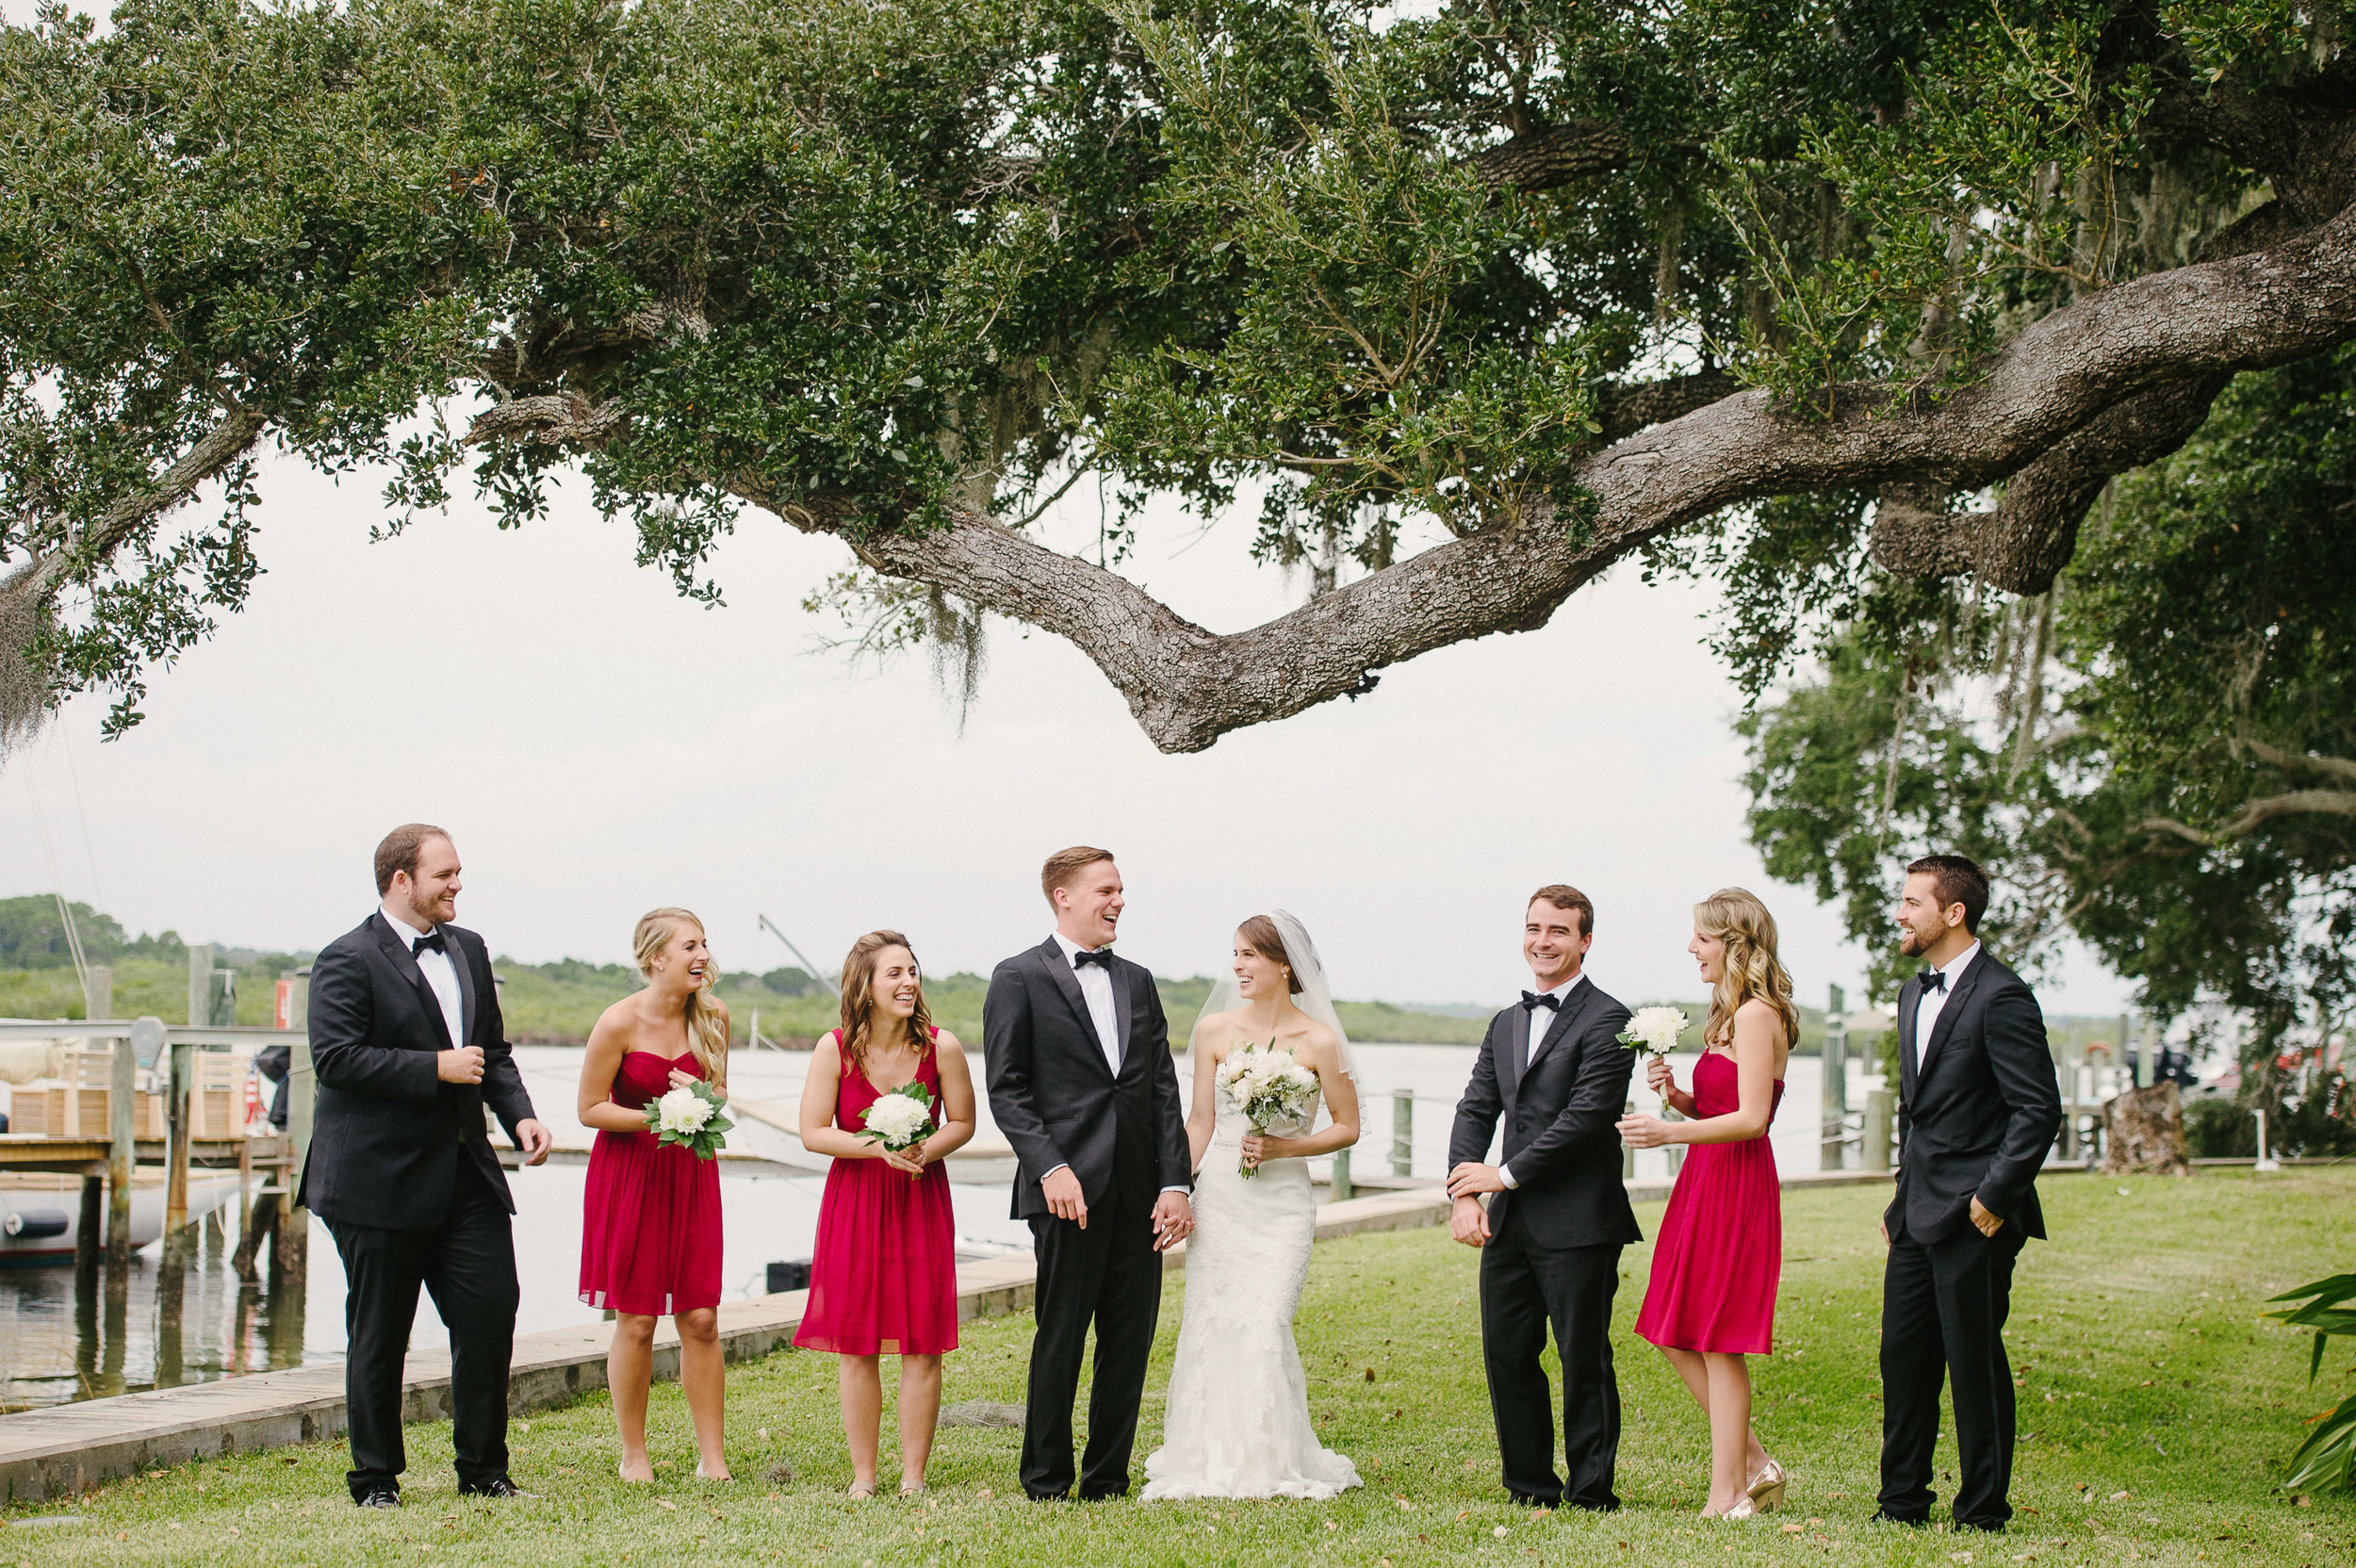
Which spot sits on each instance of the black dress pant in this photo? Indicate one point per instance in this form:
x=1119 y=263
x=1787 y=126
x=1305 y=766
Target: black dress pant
x=1524 y=1285
x=1943 y=1310
x=469 y=1265
x=1109 y=1275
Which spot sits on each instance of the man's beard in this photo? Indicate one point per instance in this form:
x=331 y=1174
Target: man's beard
x=1911 y=943
x=423 y=907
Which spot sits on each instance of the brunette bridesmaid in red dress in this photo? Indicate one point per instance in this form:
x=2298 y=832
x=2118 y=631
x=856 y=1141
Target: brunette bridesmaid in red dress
x=650 y=1218
x=884 y=1273
x=1719 y=1251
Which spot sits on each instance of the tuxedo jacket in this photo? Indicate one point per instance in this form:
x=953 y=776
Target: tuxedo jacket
x=1979 y=1110
x=1560 y=1097
x=1056 y=1100
x=387 y=1136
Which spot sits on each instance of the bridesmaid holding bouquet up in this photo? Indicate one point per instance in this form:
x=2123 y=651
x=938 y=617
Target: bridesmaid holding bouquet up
x=1711 y=1301
x=884 y=1272
x=650 y=1216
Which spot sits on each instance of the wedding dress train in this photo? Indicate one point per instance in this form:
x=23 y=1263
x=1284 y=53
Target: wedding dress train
x=1236 y=1423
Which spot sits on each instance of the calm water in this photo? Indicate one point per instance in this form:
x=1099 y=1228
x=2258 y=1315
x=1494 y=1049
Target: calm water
x=55 y=1347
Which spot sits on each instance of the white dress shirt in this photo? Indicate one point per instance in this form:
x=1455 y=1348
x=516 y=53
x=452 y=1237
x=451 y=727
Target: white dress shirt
x=1561 y=995
x=1096 y=989
x=440 y=974
x=1931 y=1004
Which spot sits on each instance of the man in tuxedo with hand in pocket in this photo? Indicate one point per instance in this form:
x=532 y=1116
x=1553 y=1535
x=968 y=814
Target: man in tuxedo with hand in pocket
x=408 y=1048
x=1978 y=1107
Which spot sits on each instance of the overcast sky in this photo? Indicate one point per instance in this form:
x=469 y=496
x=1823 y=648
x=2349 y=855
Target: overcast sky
x=597 y=747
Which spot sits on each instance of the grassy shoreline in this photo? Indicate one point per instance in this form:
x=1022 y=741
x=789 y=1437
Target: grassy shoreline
x=2156 y=1413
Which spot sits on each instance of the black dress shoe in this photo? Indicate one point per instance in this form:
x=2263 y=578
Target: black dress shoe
x=383 y=1497
x=1912 y=1522
x=500 y=1488
x=1994 y=1526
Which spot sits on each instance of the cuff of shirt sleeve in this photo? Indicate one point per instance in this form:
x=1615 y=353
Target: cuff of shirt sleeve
x=1189 y=1191
x=1505 y=1174
x=1066 y=1165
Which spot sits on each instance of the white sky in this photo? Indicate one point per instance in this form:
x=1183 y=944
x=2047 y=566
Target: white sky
x=597 y=747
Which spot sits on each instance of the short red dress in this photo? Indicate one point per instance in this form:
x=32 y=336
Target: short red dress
x=650 y=1218
x=1719 y=1252
x=883 y=1277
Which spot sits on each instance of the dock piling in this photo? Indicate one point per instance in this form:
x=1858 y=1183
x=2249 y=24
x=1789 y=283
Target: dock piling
x=1403 y=1132
x=1879 y=1107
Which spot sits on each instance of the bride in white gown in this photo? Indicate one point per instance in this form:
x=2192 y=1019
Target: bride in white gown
x=1236 y=1423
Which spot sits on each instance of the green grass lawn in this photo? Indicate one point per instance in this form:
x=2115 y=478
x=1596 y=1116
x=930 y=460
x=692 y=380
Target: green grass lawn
x=2157 y=1411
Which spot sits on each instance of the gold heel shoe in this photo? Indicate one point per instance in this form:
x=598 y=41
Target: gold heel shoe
x=1766 y=1488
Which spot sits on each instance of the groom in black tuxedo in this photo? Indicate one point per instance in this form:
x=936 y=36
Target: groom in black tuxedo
x=409 y=1046
x=1978 y=1107
x=1553 y=1070
x=1082 y=1083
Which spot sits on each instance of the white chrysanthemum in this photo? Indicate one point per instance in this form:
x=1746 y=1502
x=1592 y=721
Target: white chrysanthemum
x=682 y=1111
x=1658 y=1028
x=898 y=1119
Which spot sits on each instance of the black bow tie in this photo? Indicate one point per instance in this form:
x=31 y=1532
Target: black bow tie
x=1933 y=979
x=1551 y=1002
x=1102 y=957
x=431 y=943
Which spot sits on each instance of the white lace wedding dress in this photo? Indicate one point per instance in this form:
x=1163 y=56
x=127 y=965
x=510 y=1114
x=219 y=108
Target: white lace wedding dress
x=1236 y=1423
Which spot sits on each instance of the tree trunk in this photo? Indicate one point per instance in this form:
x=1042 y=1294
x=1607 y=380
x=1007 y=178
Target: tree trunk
x=2144 y=1131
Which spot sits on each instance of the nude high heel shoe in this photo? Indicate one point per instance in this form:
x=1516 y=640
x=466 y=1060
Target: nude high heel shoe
x=1766 y=1488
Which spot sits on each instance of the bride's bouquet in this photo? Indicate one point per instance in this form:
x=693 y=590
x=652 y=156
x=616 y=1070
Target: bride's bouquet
x=902 y=1120
x=691 y=1118
x=1654 y=1029
x=1269 y=1087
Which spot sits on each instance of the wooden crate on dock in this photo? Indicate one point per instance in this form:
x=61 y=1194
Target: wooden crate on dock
x=81 y=1107
x=217 y=1096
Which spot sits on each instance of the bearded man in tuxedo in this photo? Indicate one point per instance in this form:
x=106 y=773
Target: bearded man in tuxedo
x=1978 y=1106
x=408 y=1048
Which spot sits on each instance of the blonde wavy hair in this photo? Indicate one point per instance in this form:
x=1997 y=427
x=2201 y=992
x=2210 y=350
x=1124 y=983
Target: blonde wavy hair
x=707 y=1023
x=1736 y=917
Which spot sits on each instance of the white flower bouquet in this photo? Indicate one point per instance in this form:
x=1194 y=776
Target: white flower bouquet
x=692 y=1117
x=1654 y=1029
x=1269 y=1086
x=902 y=1120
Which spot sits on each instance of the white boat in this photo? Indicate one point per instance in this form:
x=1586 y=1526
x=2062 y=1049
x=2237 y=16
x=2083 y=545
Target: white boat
x=41 y=1214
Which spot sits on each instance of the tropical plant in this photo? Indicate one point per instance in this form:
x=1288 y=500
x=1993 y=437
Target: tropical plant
x=2328 y=1458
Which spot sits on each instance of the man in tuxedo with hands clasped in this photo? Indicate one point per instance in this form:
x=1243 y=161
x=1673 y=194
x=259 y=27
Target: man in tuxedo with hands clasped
x=1977 y=1109
x=409 y=1046
x=1552 y=1069
x=1082 y=1083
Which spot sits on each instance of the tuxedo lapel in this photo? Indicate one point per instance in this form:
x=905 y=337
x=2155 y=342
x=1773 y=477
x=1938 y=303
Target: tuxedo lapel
x=1059 y=970
x=405 y=962
x=464 y=968
x=1124 y=1007
x=1958 y=991
x=1517 y=1053
x=1909 y=999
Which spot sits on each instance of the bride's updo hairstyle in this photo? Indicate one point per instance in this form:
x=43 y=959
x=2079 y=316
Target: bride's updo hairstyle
x=707 y=1028
x=1259 y=934
x=858 y=999
x=1736 y=917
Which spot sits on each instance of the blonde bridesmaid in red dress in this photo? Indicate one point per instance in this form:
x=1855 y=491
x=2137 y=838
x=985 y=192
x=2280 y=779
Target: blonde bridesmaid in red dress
x=1719 y=1252
x=650 y=1215
x=883 y=1275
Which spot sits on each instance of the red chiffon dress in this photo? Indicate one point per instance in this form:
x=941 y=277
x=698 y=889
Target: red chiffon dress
x=650 y=1218
x=883 y=1277
x=1719 y=1252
